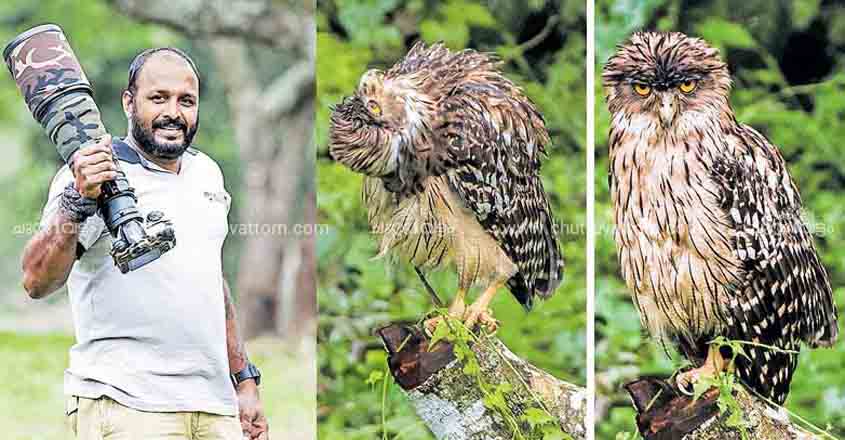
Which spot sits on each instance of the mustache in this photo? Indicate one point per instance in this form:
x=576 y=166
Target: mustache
x=169 y=123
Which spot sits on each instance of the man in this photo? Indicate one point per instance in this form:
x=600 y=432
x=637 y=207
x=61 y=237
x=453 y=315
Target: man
x=156 y=346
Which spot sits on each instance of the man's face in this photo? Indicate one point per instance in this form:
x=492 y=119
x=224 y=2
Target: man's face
x=165 y=106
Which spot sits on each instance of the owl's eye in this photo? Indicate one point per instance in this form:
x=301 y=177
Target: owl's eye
x=688 y=86
x=642 y=89
x=374 y=108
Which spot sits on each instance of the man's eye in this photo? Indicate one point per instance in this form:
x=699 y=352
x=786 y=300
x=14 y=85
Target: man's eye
x=158 y=99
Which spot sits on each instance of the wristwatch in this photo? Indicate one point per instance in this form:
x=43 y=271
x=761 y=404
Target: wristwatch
x=249 y=372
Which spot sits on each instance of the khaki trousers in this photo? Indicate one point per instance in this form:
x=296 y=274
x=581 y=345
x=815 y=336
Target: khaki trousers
x=105 y=419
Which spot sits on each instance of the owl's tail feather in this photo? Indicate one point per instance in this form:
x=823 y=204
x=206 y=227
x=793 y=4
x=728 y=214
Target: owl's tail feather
x=550 y=274
x=521 y=291
x=547 y=282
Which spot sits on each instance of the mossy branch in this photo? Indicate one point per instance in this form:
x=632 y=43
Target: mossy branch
x=665 y=414
x=486 y=392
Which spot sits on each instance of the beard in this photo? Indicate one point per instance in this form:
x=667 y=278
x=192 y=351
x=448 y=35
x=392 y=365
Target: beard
x=163 y=150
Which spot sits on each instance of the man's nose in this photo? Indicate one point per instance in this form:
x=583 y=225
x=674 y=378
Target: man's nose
x=171 y=108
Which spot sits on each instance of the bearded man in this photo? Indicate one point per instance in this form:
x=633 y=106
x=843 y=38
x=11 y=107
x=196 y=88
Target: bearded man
x=157 y=351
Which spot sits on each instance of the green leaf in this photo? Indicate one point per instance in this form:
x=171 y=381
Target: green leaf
x=804 y=11
x=452 y=21
x=701 y=386
x=536 y=417
x=375 y=377
x=723 y=33
x=472 y=368
x=364 y=20
x=440 y=332
x=555 y=433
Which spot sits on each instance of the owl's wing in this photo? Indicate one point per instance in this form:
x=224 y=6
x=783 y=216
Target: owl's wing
x=494 y=142
x=786 y=297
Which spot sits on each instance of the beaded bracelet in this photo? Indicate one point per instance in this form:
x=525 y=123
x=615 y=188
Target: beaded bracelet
x=75 y=206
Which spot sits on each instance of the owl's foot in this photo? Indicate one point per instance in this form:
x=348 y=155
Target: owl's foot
x=714 y=365
x=480 y=315
x=479 y=311
x=686 y=380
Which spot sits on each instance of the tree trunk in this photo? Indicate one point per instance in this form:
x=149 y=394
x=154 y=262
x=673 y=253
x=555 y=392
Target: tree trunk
x=664 y=414
x=451 y=402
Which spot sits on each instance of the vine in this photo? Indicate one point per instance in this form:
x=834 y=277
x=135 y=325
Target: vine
x=726 y=383
x=540 y=422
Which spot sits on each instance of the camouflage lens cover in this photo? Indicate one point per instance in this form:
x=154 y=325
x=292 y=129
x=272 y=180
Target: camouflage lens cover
x=54 y=87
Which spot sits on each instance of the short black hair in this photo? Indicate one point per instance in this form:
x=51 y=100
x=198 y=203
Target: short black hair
x=141 y=59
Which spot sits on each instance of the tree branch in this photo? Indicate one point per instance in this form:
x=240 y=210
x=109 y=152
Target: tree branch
x=280 y=24
x=663 y=413
x=451 y=402
x=284 y=93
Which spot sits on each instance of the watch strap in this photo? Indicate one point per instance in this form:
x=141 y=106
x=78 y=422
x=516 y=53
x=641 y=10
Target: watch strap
x=249 y=372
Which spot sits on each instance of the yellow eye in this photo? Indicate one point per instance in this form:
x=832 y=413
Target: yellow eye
x=688 y=86
x=642 y=90
x=374 y=108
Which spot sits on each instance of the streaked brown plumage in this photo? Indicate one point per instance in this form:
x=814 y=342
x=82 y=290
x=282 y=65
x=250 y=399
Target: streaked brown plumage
x=709 y=230
x=451 y=150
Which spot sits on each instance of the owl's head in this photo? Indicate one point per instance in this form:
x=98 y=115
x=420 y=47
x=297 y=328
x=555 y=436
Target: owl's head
x=368 y=127
x=668 y=77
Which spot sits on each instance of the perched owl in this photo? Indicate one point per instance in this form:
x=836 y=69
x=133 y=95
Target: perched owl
x=709 y=231
x=451 y=151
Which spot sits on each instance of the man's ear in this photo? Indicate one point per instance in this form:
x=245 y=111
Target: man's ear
x=127 y=101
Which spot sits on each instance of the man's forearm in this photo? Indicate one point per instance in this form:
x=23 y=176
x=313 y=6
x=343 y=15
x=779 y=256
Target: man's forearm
x=234 y=344
x=49 y=256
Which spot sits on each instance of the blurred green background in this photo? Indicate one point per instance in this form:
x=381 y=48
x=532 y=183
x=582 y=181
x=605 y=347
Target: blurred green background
x=787 y=60
x=36 y=335
x=543 y=46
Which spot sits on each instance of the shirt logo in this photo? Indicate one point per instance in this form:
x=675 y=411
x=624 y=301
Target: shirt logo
x=221 y=197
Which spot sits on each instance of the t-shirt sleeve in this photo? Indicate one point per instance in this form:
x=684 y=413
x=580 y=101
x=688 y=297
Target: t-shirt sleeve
x=221 y=185
x=91 y=229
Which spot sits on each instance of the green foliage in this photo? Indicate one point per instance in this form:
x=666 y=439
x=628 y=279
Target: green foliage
x=357 y=294
x=802 y=115
x=452 y=22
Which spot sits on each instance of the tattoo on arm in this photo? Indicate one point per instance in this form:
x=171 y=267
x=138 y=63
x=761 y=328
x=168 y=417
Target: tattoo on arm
x=234 y=344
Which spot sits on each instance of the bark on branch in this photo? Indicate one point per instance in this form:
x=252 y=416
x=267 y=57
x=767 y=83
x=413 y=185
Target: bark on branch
x=451 y=403
x=664 y=414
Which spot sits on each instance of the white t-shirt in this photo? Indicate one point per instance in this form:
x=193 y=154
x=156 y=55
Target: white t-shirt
x=154 y=339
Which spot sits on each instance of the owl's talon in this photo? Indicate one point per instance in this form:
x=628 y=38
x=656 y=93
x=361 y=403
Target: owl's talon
x=486 y=319
x=713 y=365
x=684 y=384
x=686 y=381
x=476 y=315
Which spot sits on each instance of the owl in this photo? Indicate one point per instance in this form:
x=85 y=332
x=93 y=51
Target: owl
x=451 y=153
x=709 y=232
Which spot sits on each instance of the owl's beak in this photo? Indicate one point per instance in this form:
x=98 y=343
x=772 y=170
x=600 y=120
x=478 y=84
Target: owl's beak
x=668 y=108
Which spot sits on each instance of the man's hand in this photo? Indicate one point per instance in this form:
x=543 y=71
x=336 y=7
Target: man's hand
x=253 y=421
x=93 y=165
